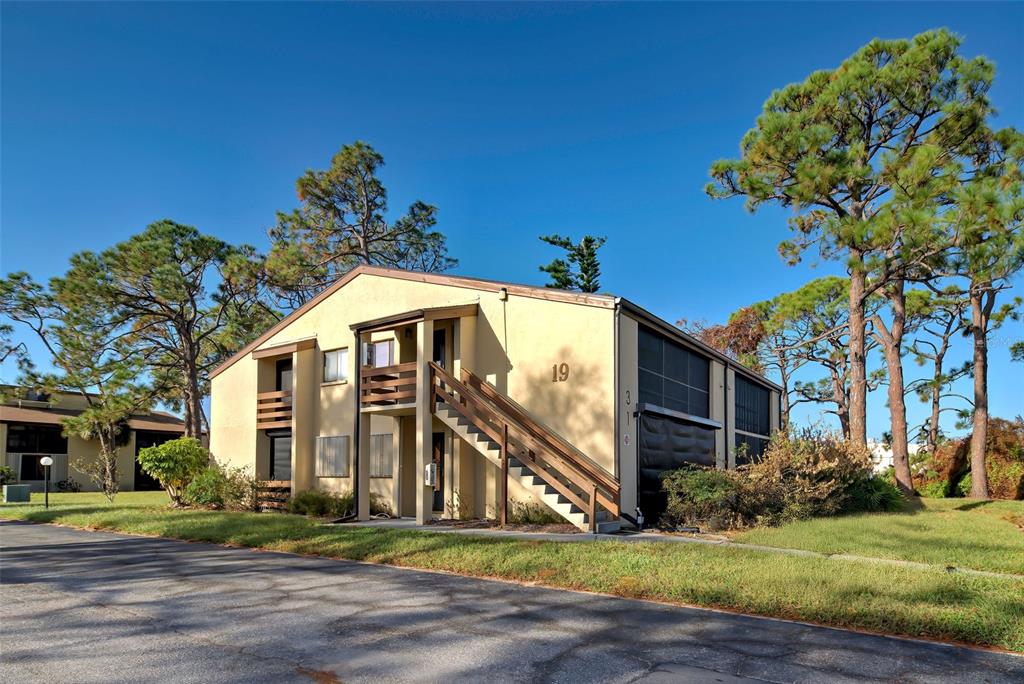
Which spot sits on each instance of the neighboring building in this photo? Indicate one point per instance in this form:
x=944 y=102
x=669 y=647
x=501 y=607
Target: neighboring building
x=30 y=428
x=881 y=454
x=409 y=385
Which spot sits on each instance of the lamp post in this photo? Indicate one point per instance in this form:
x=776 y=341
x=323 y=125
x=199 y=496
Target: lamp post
x=46 y=462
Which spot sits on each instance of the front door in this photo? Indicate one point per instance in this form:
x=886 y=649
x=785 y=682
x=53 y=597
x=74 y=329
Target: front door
x=439 y=348
x=281 y=457
x=284 y=375
x=438 y=458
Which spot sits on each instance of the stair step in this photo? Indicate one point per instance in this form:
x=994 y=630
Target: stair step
x=522 y=473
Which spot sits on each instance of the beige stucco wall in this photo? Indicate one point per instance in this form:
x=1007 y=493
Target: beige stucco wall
x=513 y=344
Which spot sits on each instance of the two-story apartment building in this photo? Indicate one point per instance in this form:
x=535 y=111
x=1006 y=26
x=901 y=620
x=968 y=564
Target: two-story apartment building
x=30 y=428
x=449 y=396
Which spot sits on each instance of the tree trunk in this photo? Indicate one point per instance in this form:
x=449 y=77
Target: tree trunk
x=892 y=344
x=842 y=407
x=108 y=455
x=898 y=409
x=193 y=402
x=933 y=425
x=979 y=436
x=785 y=407
x=858 y=369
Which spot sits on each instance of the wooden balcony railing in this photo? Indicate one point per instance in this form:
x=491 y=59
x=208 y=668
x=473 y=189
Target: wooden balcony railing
x=274 y=410
x=388 y=385
x=586 y=484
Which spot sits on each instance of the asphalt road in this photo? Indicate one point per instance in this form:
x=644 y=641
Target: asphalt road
x=96 y=607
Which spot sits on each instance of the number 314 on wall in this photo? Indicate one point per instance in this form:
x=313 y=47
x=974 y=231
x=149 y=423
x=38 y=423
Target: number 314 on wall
x=559 y=372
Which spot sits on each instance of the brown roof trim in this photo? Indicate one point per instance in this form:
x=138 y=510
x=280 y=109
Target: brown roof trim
x=428 y=314
x=604 y=301
x=285 y=349
x=157 y=421
x=672 y=331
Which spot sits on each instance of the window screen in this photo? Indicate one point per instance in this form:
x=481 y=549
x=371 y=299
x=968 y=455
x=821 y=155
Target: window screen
x=748 y=448
x=752 y=410
x=672 y=376
x=37 y=439
x=381 y=455
x=336 y=365
x=332 y=456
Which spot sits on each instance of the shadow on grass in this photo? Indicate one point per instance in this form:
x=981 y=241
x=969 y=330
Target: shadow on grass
x=977 y=503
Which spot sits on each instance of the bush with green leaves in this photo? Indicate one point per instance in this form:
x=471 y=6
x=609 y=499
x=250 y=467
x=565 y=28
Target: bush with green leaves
x=320 y=504
x=712 y=499
x=219 y=487
x=175 y=464
x=808 y=475
x=6 y=475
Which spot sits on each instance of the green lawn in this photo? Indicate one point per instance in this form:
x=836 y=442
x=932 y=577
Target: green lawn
x=898 y=600
x=982 y=535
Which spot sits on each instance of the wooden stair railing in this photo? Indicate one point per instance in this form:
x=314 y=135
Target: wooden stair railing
x=273 y=495
x=548 y=456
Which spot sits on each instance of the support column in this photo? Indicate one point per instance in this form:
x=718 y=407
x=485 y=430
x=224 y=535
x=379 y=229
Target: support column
x=718 y=412
x=361 y=456
x=396 y=466
x=424 y=419
x=730 y=414
x=305 y=387
x=464 y=456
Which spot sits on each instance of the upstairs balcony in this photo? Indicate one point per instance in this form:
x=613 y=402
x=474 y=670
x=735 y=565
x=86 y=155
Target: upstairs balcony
x=388 y=389
x=274 y=410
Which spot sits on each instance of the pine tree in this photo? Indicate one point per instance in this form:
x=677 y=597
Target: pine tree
x=867 y=155
x=342 y=223
x=580 y=269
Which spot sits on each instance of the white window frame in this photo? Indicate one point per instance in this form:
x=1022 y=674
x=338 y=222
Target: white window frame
x=370 y=353
x=340 y=365
x=332 y=455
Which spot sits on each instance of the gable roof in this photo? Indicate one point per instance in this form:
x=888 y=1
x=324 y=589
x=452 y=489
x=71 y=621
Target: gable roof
x=603 y=301
x=551 y=294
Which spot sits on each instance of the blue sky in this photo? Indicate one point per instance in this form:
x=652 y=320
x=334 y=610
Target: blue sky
x=515 y=120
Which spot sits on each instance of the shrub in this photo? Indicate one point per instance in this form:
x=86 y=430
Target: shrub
x=207 y=489
x=379 y=505
x=874 y=493
x=175 y=464
x=321 y=504
x=1004 y=461
x=530 y=513
x=6 y=475
x=218 y=487
x=936 y=489
x=811 y=474
x=698 y=497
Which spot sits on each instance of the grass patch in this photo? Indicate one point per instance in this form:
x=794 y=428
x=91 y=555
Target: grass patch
x=965 y=533
x=909 y=601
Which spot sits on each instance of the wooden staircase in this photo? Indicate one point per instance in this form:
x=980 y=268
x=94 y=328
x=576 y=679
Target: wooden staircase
x=504 y=433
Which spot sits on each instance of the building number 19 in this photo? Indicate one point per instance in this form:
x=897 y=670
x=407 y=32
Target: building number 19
x=559 y=372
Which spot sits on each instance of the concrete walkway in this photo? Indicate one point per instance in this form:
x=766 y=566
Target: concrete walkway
x=99 y=607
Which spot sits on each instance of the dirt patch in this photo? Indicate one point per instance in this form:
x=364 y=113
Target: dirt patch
x=480 y=524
